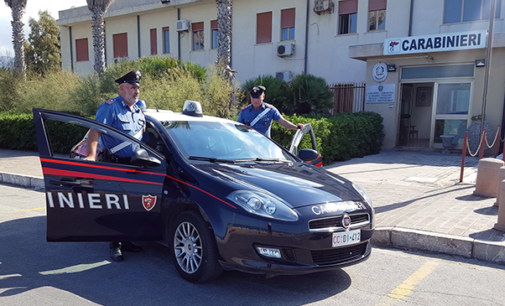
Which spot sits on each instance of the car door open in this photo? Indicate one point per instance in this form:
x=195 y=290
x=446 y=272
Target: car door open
x=97 y=201
x=307 y=156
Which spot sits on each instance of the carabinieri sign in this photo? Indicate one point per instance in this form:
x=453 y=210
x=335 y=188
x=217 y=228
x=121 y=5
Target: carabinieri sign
x=436 y=43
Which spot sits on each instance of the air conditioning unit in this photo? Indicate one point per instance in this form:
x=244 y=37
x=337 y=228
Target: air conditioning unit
x=284 y=75
x=182 y=25
x=285 y=49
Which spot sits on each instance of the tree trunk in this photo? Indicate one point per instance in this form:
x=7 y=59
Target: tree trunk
x=18 y=38
x=224 y=29
x=99 y=40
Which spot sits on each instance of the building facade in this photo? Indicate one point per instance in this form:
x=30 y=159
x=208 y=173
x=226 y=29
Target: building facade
x=424 y=61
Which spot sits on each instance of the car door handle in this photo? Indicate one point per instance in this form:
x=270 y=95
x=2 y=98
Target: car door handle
x=65 y=183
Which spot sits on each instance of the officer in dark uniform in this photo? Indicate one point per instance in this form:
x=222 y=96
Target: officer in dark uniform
x=259 y=115
x=123 y=113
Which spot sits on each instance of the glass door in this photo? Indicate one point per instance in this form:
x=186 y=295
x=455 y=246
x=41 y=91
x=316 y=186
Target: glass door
x=451 y=112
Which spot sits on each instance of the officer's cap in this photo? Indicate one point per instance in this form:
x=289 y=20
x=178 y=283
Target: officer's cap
x=133 y=77
x=256 y=91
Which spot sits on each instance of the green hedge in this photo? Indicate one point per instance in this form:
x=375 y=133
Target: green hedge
x=339 y=137
x=17 y=132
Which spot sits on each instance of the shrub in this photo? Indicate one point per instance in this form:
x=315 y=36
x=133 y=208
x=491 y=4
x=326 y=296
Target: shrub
x=54 y=91
x=9 y=89
x=311 y=95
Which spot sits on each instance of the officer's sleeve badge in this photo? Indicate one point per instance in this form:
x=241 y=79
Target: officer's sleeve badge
x=110 y=101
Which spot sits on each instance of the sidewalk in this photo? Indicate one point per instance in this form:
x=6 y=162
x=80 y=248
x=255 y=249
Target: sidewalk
x=419 y=202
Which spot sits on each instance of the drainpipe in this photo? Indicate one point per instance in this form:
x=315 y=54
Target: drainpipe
x=178 y=35
x=306 y=38
x=138 y=32
x=105 y=43
x=71 y=50
x=410 y=18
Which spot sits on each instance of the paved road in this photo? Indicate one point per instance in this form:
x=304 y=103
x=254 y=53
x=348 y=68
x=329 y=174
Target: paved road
x=35 y=272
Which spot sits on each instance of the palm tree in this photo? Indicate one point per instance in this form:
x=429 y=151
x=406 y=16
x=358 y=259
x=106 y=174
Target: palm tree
x=224 y=26
x=98 y=9
x=18 y=37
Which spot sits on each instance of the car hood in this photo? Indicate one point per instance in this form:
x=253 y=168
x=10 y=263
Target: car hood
x=298 y=184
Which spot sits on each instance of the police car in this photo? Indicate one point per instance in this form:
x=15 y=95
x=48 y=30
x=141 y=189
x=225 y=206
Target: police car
x=219 y=194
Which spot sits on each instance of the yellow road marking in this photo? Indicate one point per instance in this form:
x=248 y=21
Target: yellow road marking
x=21 y=210
x=405 y=289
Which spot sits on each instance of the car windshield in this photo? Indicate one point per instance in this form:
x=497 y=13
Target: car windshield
x=219 y=141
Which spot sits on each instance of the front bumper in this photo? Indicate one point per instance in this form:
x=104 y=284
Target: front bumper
x=349 y=255
x=303 y=250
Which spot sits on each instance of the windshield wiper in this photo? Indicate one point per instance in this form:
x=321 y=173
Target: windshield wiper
x=212 y=159
x=259 y=159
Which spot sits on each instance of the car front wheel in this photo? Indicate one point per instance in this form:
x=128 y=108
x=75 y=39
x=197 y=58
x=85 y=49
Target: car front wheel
x=194 y=250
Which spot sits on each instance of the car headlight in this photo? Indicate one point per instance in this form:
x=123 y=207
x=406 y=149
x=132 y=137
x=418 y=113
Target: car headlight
x=363 y=193
x=262 y=204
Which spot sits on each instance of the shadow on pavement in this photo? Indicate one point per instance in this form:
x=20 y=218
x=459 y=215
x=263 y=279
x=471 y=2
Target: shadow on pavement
x=28 y=262
x=394 y=206
x=489 y=235
x=489 y=211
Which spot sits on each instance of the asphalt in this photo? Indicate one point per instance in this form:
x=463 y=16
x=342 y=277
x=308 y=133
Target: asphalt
x=419 y=202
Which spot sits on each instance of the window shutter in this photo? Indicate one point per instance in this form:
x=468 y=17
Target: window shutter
x=377 y=5
x=120 y=42
x=154 y=42
x=264 y=28
x=288 y=18
x=197 y=26
x=81 y=50
x=213 y=24
x=347 y=7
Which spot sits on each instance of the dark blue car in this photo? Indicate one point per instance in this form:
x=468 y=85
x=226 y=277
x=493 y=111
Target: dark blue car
x=219 y=194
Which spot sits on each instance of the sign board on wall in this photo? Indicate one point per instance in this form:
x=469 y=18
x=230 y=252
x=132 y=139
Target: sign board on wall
x=383 y=93
x=436 y=43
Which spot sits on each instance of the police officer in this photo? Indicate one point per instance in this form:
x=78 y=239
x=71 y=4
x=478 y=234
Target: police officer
x=123 y=113
x=259 y=115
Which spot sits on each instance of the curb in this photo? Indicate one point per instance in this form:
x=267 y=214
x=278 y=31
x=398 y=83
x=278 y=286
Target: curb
x=403 y=238
x=26 y=181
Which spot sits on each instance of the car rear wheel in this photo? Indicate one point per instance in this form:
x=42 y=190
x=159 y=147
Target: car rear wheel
x=194 y=250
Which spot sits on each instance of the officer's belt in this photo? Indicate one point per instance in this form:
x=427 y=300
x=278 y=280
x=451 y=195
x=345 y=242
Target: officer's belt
x=263 y=113
x=124 y=144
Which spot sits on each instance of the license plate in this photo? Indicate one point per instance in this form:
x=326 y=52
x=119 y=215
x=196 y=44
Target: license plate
x=346 y=238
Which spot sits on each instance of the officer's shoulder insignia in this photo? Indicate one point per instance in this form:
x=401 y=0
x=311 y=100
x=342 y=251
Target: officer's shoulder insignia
x=269 y=106
x=243 y=108
x=110 y=101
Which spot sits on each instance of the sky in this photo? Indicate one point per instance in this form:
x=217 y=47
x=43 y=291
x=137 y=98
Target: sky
x=32 y=9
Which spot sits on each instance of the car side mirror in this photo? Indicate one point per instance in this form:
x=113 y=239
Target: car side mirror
x=140 y=157
x=308 y=155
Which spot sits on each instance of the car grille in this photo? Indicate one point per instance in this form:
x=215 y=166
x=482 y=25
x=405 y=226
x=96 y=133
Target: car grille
x=335 y=256
x=337 y=221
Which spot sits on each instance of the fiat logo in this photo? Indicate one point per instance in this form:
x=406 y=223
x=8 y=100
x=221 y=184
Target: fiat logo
x=346 y=221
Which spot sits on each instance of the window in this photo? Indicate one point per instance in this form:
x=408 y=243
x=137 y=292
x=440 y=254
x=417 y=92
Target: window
x=154 y=42
x=264 y=28
x=213 y=27
x=288 y=24
x=197 y=35
x=348 y=16
x=120 y=42
x=469 y=10
x=166 y=40
x=81 y=50
x=377 y=15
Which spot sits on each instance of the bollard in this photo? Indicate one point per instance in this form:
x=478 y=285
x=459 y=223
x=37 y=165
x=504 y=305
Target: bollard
x=487 y=184
x=500 y=226
x=500 y=179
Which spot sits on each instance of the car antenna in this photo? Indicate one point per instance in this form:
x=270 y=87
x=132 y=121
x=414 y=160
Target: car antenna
x=156 y=103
